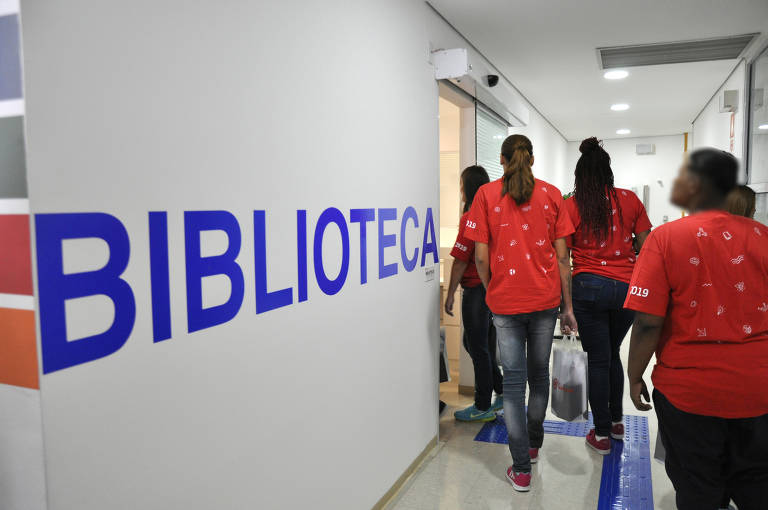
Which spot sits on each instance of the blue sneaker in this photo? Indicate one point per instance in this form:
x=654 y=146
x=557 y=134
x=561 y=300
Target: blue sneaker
x=472 y=413
x=498 y=404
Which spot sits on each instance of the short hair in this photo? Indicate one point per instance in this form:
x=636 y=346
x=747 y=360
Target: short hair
x=741 y=201
x=718 y=169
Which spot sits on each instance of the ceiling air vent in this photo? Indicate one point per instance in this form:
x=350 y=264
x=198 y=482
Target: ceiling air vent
x=722 y=48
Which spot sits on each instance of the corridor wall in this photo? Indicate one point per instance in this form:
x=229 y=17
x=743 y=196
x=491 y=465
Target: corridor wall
x=711 y=128
x=171 y=123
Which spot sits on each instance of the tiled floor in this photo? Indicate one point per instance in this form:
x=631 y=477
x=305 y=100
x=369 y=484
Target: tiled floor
x=465 y=474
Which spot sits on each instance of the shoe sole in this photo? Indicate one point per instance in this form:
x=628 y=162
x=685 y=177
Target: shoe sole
x=598 y=450
x=617 y=437
x=535 y=461
x=518 y=488
x=479 y=420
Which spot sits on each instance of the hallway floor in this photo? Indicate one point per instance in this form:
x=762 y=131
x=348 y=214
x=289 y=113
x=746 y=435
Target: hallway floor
x=464 y=474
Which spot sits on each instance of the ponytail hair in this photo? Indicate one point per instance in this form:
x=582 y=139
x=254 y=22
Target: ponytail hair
x=518 y=181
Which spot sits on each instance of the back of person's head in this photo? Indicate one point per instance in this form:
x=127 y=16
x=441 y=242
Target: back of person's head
x=471 y=179
x=518 y=180
x=716 y=169
x=741 y=201
x=594 y=180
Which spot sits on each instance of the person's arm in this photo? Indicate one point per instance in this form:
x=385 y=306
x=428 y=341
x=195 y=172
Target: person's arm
x=641 y=237
x=567 y=318
x=457 y=271
x=482 y=263
x=646 y=331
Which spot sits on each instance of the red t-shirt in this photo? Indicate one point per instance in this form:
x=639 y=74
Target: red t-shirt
x=464 y=250
x=708 y=275
x=524 y=273
x=614 y=257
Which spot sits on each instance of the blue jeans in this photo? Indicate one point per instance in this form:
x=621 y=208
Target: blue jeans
x=480 y=343
x=598 y=303
x=514 y=333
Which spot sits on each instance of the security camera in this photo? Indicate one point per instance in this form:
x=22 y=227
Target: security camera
x=493 y=79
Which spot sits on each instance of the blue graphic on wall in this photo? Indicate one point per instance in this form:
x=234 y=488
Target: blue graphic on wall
x=55 y=286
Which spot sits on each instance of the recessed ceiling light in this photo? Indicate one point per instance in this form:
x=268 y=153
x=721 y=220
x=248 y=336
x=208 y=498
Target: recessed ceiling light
x=616 y=74
x=623 y=131
x=762 y=126
x=619 y=107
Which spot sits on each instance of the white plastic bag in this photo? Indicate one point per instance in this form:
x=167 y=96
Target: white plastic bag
x=569 y=380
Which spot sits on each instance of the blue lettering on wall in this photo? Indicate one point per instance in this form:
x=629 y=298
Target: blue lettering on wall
x=301 y=248
x=429 y=245
x=363 y=216
x=55 y=287
x=408 y=263
x=199 y=267
x=331 y=215
x=159 y=276
x=265 y=300
x=385 y=241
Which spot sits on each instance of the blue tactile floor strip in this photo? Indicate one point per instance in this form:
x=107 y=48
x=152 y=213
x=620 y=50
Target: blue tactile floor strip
x=626 y=478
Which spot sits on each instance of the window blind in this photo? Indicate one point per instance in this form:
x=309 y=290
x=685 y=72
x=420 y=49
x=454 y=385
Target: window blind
x=490 y=133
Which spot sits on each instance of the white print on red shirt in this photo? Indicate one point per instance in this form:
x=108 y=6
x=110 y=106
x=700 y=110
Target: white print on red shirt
x=613 y=211
x=694 y=260
x=526 y=208
x=701 y=331
x=763 y=308
x=737 y=260
x=541 y=242
x=639 y=291
x=627 y=239
x=720 y=310
x=501 y=258
x=544 y=189
x=701 y=233
x=706 y=284
x=497 y=209
x=618 y=253
x=546 y=206
x=513 y=242
x=461 y=247
x=528 y=256
x=748 y=329
x=694 y=303
x=757 y=231
x=471 y=224
x=740 y=286
x=624 y=193
x=512 y=272
x=727 y=235
x=525 y=226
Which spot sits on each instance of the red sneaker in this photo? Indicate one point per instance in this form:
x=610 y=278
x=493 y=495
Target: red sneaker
x=520 y=481
x=534 y=453
x=617 y=432
x=603 y=446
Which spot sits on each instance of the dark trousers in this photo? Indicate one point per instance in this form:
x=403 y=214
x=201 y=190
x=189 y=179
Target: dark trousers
x=480 y=343
x=708 y=457
x=603 y=323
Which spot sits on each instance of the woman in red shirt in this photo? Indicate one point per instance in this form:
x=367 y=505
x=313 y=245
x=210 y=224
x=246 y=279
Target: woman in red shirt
x=700 y=289
x=519 y=225
x=605 y=219
x=479 y=336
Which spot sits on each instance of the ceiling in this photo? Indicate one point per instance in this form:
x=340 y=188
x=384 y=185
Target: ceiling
x=548 y=50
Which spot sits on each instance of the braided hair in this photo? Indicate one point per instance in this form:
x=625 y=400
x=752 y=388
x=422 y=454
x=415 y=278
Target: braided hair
x=594 y=192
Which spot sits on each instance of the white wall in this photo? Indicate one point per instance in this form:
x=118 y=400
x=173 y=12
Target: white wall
x=631 y=170
x=176 y=106
x=713 y=129
x=549 y=150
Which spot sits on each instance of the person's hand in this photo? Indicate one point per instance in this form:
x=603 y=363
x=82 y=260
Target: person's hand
x=636 y=391
x=449 y=304
x=568 y=324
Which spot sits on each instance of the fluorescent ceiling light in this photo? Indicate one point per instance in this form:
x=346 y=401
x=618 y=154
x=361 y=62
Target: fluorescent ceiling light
x=619 y=107
x=616 y=74
x=762 y=126
x=623 y=131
